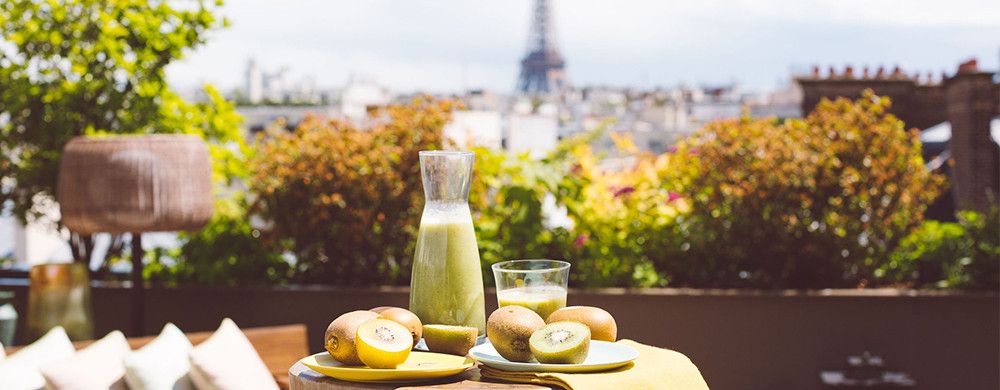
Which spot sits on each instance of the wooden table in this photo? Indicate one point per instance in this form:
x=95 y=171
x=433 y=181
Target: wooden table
x=301 y=377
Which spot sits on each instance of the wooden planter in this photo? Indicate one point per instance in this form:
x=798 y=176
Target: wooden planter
x=136 y=183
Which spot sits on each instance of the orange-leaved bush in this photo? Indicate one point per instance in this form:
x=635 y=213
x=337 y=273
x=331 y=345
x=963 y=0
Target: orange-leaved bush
x=812 y=202
x=349 y=198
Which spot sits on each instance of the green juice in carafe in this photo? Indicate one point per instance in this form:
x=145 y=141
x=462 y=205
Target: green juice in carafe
x=447 y=282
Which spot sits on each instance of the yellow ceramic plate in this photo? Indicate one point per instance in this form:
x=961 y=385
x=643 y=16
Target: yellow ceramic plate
x=419 y=365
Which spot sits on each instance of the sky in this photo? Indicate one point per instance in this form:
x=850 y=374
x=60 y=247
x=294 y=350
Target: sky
x=452 y=45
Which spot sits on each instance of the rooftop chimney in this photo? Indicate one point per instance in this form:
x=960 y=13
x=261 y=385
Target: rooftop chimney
x=972 y=101
x=969 y=66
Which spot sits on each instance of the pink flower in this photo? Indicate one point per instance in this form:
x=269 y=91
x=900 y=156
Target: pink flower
x=672 y=196
x=580 y=240
x=624 y=191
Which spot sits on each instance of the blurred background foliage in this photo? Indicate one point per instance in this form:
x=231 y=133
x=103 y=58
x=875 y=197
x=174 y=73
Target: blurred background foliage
x=835 y=199
x=89 y=67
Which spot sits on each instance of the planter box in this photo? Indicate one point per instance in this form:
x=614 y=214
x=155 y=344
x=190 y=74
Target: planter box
x=739 y=339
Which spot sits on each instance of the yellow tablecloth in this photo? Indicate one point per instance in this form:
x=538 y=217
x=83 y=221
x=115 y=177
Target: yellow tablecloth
x=655 y=368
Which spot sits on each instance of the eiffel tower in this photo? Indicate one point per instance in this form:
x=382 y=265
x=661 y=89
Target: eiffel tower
x=542 y=69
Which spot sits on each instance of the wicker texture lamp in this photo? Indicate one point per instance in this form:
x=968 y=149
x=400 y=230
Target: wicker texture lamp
x=135 y=184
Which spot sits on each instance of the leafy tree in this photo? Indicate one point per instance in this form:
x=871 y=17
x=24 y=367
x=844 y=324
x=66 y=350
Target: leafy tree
x=76 y=67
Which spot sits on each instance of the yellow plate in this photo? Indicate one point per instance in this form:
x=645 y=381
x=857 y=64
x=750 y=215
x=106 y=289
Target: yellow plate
x=419 y=365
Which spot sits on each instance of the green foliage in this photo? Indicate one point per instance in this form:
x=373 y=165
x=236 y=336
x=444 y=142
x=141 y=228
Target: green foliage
x=349 y=198
x=506 y=199
x=79 y=67
x=964 y=255
x=226 y=252
x=927 y=255
x=813 y=202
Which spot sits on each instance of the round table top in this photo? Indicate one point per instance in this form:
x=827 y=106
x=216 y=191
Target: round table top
x=301 y=377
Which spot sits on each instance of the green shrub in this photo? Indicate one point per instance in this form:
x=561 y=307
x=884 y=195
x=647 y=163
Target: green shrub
x=982 y=270
x=226 y=252
x=349 y=199
x=925 y=257
x=805 y=203
x=963 y=254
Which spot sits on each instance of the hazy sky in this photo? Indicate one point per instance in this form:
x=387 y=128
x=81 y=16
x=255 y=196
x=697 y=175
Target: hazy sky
x=450 y=44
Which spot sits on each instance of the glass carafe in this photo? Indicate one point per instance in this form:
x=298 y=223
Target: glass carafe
x=447 y=281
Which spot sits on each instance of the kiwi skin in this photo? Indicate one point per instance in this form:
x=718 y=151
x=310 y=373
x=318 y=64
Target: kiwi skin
x=380 y=309
x=341 y=334
x=602 y=325
x=455 y=340
x=551 y=352
x=509 y=329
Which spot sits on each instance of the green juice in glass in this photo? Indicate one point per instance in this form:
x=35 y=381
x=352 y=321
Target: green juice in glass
x=447 y=282
x=541 y=299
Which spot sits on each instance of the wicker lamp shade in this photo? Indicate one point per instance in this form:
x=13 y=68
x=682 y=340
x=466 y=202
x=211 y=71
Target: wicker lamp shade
x=144 y=183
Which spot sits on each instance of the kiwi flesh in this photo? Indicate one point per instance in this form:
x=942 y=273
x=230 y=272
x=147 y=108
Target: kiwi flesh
x=509 y=329
x=450 y=339
x=383 y=343
x=340 y=336
x=562 y=342
x=407 y=319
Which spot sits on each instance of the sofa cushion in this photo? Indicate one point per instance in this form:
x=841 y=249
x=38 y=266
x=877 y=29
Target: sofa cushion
x=98 y=366
x=162 y=364
x=20 y=370
x=227 y=361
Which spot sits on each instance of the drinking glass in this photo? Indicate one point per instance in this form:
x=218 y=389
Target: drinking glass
x=539 y=285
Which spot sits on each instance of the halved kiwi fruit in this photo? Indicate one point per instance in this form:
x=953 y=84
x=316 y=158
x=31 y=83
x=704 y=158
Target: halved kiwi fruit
x=455 y=340
x=383 y=343
x=563 y=342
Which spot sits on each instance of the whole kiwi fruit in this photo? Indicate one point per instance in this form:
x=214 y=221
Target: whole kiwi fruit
x=602 y=325
x=407 y=319
x=339 y=339
x=380 y=309
x=509 y=329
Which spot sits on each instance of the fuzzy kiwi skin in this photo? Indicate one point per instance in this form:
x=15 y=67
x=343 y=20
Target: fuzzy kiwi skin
x=509 y=329
x=455 y=340
x=340 y=338
x=602 y=325
x=561 y=354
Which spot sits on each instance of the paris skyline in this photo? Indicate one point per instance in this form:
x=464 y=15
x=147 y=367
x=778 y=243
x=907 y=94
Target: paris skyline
x=447 y=46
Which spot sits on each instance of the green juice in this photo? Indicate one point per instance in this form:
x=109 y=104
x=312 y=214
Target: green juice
x=541 y=299
x=447 y=282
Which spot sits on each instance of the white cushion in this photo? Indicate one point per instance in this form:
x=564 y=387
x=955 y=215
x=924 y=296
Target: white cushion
x=98 y=366
x=20 y=370
x=227 y=361
x=162 y=364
